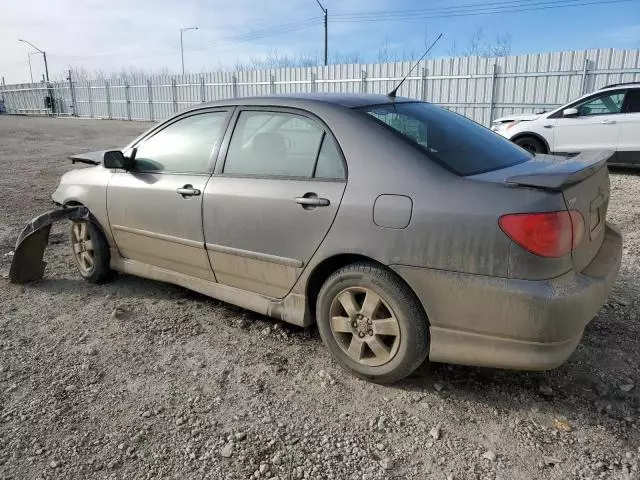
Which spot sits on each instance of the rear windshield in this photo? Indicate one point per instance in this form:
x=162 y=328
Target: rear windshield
x=452 y=140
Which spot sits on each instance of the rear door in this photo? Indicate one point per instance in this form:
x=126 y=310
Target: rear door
x=155 y=210
x=274 y=195
x=629 y=120
x=595 y=127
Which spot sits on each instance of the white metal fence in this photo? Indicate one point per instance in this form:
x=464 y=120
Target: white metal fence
x=480 y=88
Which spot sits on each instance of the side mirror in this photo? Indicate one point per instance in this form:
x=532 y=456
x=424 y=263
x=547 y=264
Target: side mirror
x=570 y=112
x=116 y=159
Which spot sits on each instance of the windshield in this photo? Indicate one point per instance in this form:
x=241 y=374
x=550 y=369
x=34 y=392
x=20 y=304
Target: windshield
x=452 y=140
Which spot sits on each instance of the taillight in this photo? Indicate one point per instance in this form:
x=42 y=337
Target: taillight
x=548 y=234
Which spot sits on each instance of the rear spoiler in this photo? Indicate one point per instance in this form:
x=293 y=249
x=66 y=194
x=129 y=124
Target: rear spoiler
x=90 y=158
x=564 y=174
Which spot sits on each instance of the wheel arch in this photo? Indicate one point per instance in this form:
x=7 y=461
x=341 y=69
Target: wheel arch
x=323 y=270
x=537 y=136
x=76 y=203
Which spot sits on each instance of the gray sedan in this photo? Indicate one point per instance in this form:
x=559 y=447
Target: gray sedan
x=405 y=231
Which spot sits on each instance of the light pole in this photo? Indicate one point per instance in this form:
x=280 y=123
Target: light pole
x=182 y=30
x=30 y=69
x=44 y=56
x=326 y=37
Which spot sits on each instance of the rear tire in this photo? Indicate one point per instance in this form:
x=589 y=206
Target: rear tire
x=90 y=251
x=531 y=144
x=372 y=323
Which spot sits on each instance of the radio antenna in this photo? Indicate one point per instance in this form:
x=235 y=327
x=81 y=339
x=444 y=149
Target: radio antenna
x=392 y=93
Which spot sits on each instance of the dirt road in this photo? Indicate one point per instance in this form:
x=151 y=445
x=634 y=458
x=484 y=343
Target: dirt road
x=138 y=379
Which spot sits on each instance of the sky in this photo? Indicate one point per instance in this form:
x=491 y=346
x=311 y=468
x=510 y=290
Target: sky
x=144 y=35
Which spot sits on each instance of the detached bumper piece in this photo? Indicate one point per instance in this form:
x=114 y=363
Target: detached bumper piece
x=27 y=265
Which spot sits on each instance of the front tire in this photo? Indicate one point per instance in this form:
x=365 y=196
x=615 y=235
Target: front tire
x=372 y=323
x=531 y=144
x=90 y=251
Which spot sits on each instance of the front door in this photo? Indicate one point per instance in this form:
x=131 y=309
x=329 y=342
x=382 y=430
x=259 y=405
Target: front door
x=155 y=211
x=595 y=127
x=272 y=199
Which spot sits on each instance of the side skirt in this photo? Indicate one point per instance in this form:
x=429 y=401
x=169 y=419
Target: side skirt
x=291 y=309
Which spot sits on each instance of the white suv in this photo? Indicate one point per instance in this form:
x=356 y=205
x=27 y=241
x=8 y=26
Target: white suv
x=608 y=119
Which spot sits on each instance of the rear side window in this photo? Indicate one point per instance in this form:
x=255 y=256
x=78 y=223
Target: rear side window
x=452 y=140
x=282 y=145
x=329 y=161
x=633 y=101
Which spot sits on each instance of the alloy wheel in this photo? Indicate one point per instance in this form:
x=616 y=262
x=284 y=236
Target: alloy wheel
x=364 y=326
x=83 y=249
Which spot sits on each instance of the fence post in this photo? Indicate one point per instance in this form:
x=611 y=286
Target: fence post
x=127 y=97
x=272 y=84
x=584 y=76
x=4 y=86
x=174 y=95
x=72 y=93
x=90 y=98
x=494 y=74
x=424 y=84
x=234 y=86
x=150 y=98
x=107 y=94
x=314 y=85
x=363 y=81
x=203 y=93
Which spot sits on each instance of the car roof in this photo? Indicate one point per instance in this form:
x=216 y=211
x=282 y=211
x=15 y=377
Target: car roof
x=346 y=100
x=617 y=86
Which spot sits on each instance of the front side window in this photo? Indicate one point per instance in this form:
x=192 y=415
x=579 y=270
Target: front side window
x=183 y=146
x=607 y=104
x=454 y=141
x=283 y=145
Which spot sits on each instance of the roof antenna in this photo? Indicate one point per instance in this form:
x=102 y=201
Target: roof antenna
x=392 y=93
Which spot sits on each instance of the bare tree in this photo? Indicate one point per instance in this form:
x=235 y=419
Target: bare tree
x=383 y=52
x=476 y=44
x=502 y=45
x=479 y=46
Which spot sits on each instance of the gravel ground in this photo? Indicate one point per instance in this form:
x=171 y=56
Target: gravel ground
x=138 y=379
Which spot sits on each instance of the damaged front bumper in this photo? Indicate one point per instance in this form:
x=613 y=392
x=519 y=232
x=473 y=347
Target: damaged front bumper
x=28 y=264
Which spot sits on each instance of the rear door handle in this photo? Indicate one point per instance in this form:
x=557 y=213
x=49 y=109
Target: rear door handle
x=547 y=125
x=312 y=201
x=606 y=121
x=188 y=191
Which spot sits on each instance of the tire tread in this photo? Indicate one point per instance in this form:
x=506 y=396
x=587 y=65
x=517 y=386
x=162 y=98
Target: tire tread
x=402 y=293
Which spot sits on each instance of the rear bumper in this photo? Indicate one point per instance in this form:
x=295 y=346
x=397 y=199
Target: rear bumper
x=509 y=323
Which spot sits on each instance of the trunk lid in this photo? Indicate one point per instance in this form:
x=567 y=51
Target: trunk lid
x=583 y=182
x=591 y=198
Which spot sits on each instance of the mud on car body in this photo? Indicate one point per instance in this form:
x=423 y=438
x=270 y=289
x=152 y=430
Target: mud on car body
x=403 y=230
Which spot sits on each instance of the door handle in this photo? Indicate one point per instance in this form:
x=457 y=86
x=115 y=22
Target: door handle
x=606 y=121
x=312 y=201
x=547 y=125
x=188 y=191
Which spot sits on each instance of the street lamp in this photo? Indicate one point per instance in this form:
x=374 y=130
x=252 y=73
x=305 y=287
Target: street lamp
x=44 y=56
x=326 y=39
x=30 y=70
x=182 y=30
